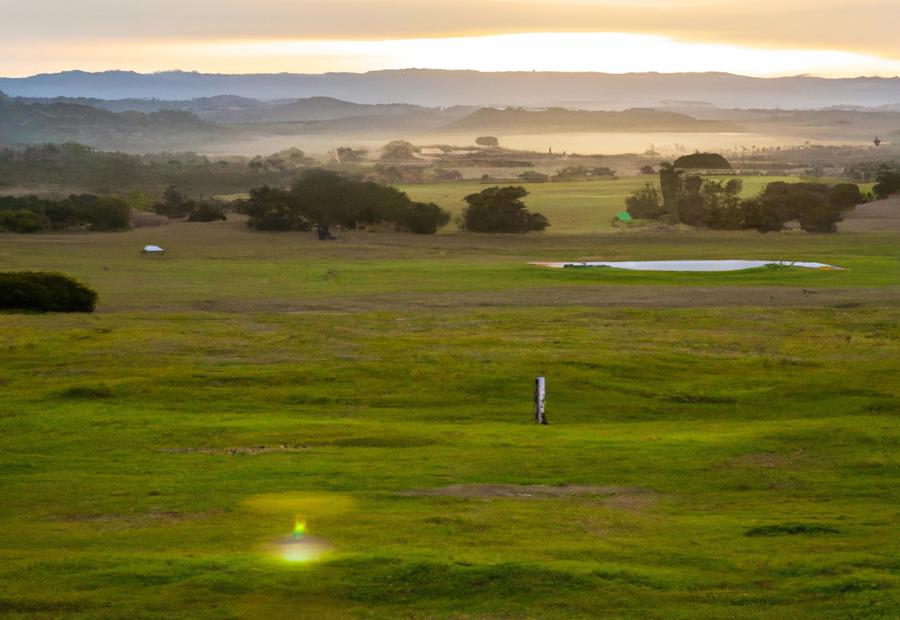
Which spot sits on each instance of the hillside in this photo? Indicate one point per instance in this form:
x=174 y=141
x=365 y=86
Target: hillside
x=69 y=122
x=562 y=120
x=444 y=88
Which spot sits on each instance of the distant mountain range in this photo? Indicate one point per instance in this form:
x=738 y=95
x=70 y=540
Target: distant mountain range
x=434 y=88
x=236 y=109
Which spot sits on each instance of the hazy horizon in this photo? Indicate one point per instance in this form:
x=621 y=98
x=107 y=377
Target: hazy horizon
x=827 y=38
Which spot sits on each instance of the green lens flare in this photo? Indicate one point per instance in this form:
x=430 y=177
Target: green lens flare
x=299 y=528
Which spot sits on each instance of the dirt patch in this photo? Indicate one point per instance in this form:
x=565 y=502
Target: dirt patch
x=610 y=495
x=239 y=451
x=766 y=460
x=878 y=216
x=144 y=519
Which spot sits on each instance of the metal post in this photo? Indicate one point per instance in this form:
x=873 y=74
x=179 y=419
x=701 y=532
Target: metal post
x=540 y=395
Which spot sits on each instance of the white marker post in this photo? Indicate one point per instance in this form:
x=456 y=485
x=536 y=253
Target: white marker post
x=540 y=396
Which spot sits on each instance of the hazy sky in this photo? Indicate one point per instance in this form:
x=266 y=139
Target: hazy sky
x=756 y=37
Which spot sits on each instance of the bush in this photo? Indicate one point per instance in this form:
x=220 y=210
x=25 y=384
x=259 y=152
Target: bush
x=96 y=212
x=44 y=292
x=23 y=221
x=888 y=183
x=102 y=213
x=500 y=210
x=426 y=218
x=644 y=204
x=530 y=176
x=205 y=212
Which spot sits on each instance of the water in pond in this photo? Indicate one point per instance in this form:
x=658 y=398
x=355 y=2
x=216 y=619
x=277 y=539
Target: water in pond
x=690 y=265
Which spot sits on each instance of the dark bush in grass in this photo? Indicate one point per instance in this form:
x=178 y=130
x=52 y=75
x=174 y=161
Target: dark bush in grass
x=44 y=292
x=23 y=221
x=790 y=529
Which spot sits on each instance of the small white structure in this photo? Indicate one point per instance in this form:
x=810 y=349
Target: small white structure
x=153 y=250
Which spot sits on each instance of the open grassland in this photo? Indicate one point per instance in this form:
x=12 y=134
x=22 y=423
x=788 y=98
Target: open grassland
x=729 y=440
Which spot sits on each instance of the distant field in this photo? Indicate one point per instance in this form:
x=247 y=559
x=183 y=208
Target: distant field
x=578 y=207
x=729 y=441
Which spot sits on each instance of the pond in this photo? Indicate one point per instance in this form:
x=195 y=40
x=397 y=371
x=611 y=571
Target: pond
x=690 y=265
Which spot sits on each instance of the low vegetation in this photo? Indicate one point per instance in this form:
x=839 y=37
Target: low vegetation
x=29 y=214
x=44 y=292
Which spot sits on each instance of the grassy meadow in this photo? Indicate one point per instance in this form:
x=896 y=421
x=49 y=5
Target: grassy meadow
x=728 y=441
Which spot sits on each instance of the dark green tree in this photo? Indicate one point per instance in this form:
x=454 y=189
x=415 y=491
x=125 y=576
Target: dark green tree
x=500 y=210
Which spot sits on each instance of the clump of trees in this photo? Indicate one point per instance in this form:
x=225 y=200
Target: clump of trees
x=44 y=292
x=399 y=150
x=500 y=210
x=703 y=161
x=489 y=142
x=690 y=199
x=29 y=214
x=888 y=182
x=176 y=205
x=321 y=199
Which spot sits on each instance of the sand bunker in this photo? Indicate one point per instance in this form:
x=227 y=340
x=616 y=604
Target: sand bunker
x=690 y=265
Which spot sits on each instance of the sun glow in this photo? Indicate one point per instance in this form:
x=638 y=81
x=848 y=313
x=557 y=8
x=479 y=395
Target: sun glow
x=604 y=52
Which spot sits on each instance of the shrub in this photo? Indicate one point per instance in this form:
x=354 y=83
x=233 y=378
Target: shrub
x=644 y=204
x=102 y=213
x=44 y=292
x=426 y=218
x=23 y=221
x=888 y=183
x=531 y=176
x=206 y=212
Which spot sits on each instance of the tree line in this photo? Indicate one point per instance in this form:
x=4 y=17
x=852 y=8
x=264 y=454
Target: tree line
x=28 y=214
x=321 y=199
x=690 y=199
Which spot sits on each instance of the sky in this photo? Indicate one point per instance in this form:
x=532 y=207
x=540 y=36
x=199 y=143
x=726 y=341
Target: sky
x=766 y=38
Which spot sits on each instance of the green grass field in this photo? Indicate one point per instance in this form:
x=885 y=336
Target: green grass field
x=730 y=440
